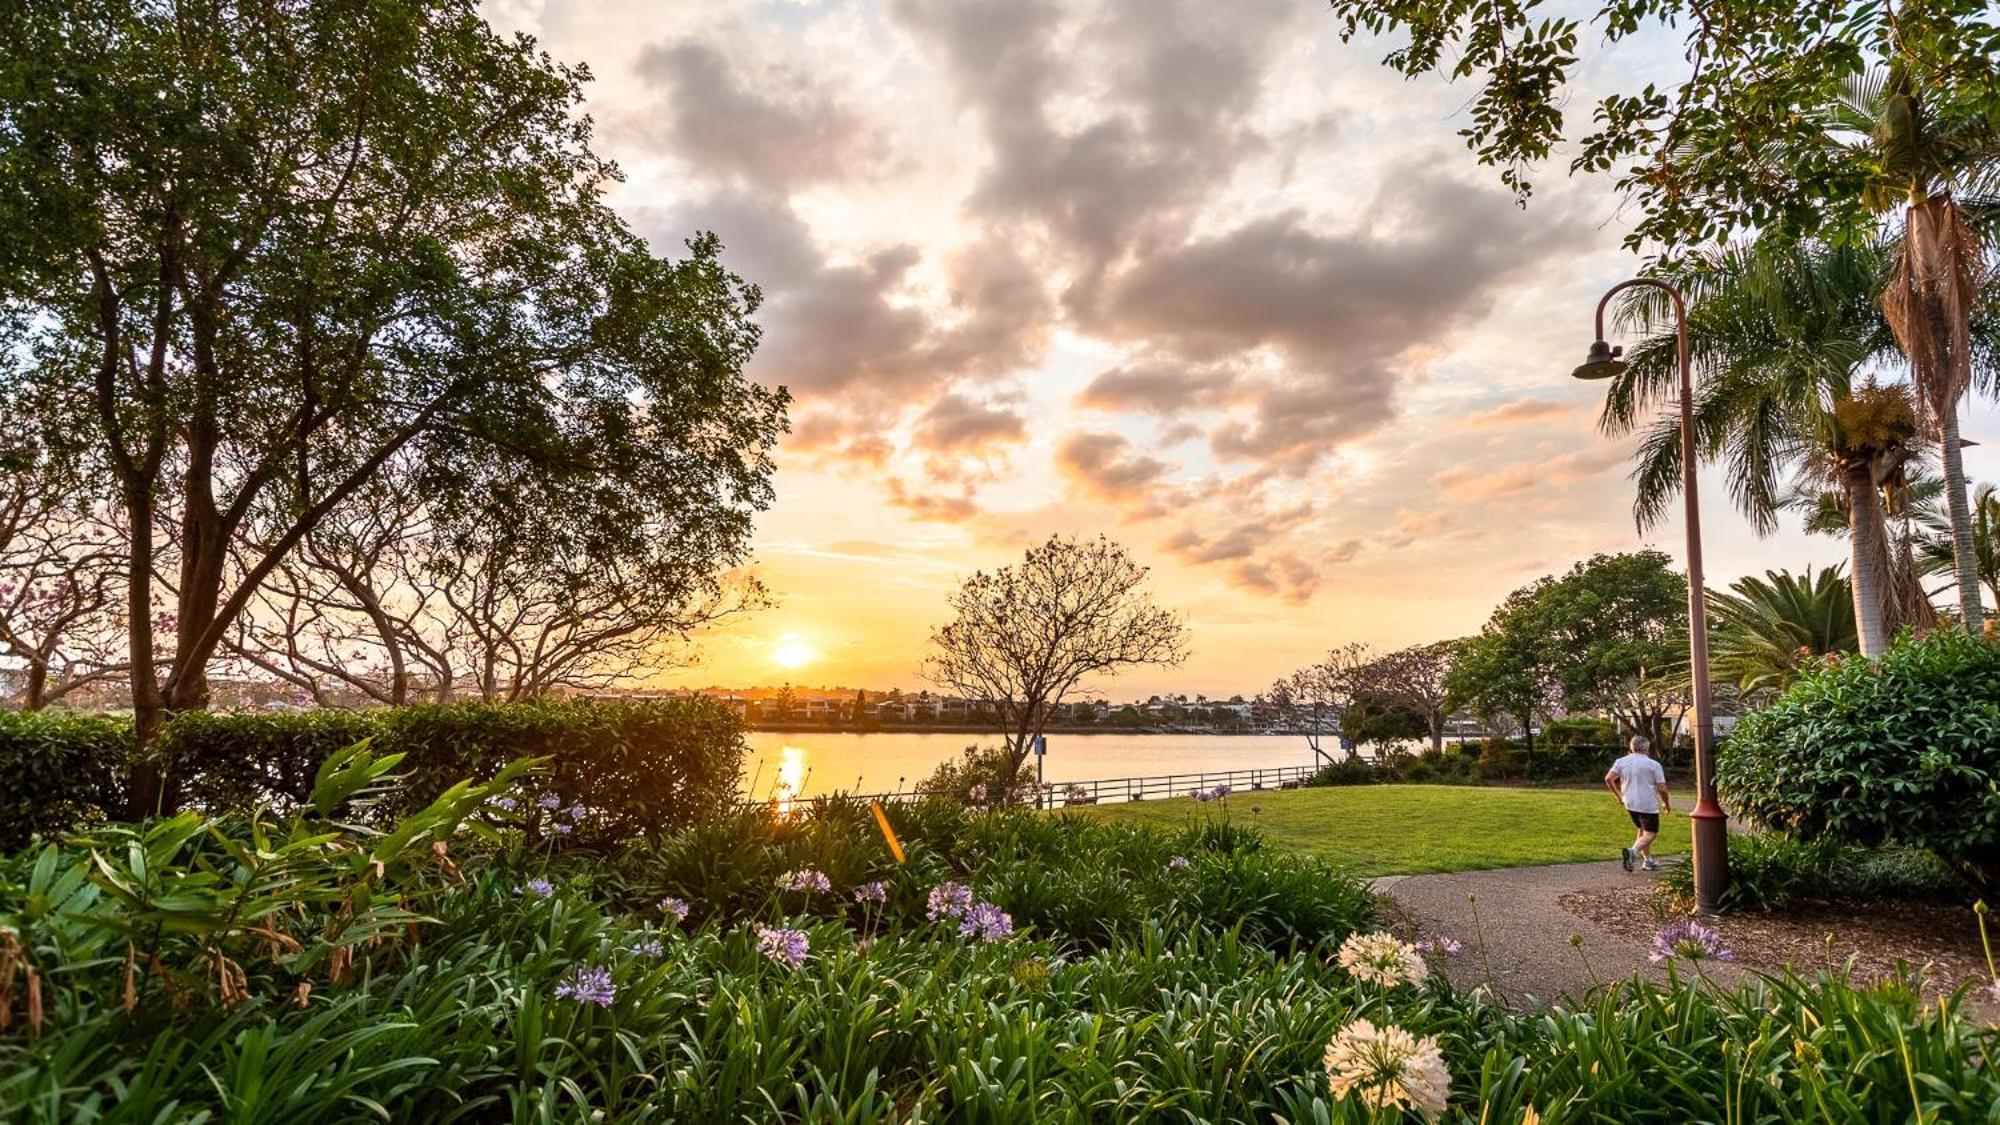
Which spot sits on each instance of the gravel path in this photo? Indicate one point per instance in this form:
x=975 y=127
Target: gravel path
x=1518 y=937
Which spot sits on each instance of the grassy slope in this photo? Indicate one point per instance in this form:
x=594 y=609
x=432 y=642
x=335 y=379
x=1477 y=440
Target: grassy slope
x=1405 y=829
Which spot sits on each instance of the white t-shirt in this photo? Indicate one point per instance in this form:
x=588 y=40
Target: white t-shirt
x=1641 y=773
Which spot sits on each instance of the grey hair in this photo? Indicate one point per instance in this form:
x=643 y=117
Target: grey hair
x=1641 y=742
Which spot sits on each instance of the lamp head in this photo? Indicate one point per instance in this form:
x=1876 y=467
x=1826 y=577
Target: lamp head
x=1603 y=362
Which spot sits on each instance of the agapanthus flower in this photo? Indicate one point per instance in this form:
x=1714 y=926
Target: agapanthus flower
x=577 y=810
x=948 y=900
x=1442 y=946
x=592 y=985
x=871 y=892
x=1387 y=1067
x=648 y=947
x=561 y=829
x=976 y=794
x=1178 y=863
x=1381 y=958
x=1221 y=791
x=786 y=947
x=676 y=908
x=549 y=801
x=505 y=804
x=808 y=881
x=537 y=886
x=1688 y=940
x=986 y=922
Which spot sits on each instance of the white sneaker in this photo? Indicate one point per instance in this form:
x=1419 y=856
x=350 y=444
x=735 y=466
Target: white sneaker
x=1649 y=865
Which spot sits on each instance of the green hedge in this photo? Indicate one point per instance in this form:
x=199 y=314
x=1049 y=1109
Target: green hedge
x=60 y=770
x=638 y=767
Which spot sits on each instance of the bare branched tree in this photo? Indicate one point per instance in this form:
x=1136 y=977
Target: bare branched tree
x=1316 y=697
x=60 y=591
x=1021 y=637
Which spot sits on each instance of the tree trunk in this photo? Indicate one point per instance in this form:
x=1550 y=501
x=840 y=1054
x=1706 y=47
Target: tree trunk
x=1869 y=548
x=34 y=694
x=1965 y=560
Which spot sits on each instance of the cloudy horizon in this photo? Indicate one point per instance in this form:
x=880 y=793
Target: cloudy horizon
x=1208 y=281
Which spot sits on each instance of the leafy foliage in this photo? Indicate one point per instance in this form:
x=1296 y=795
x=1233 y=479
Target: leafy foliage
x=1904 y=749
x=1742 y=143
x=639 y=767
x=1766 y=629
x=1771 y=871
x=63 y=770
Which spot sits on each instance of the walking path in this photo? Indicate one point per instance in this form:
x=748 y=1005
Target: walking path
x=1518 y=938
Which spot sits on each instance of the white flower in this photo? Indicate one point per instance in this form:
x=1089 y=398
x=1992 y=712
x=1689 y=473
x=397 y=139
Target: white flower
x=1380 y=958
x=1388 y=1067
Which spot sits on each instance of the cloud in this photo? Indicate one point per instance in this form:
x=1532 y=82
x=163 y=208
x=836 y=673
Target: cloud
x=1471 y=483
x=781 y=128
x=958 y=424
x=1105 y=465
x=1156 y=386
x=1520 y=412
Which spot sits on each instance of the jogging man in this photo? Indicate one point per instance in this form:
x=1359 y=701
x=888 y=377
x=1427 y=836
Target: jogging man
x=1641 y=786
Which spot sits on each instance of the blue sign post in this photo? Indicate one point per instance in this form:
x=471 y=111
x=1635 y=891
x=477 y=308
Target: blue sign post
x=1041 y=750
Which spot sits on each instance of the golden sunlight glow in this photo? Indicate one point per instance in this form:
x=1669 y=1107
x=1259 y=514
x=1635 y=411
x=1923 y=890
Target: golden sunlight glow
x=792 y=652
x=791 y=778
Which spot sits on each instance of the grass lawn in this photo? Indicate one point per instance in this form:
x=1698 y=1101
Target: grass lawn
x=1407 y=829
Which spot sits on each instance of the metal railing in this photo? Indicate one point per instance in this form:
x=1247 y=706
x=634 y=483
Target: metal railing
x=1109 y=790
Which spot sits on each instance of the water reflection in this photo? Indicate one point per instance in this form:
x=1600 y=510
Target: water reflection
x=791 y=777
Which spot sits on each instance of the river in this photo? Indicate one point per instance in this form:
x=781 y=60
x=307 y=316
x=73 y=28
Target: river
x=812 y=763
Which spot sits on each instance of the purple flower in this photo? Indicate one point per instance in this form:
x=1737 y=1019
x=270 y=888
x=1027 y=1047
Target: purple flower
x=871 y=892
x=561 y=829
x=678 y=908
x=806 y=881
x=1689 y=941
x=948 y=900
x=549 y=801
x=1442 y=946
x=591 y=985
x=1178 y=863
x=786 y=947
x=505 y=804
x=537 y=886
x=1221 y=791
x=648 y=947
x=577 y=810
x=986 y=922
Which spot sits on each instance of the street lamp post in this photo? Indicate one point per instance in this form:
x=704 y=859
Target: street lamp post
x=1711 y=824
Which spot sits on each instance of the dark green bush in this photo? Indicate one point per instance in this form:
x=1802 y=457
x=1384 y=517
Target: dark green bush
x=1772 y=871
x=61 y=769
x=1902 y=749
x=638 y=767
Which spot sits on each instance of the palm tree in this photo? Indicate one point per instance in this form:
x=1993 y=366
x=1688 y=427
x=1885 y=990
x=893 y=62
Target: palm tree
x=1937 y=163
x=1781 y=334
x=1766 y=628
x=1938 y=553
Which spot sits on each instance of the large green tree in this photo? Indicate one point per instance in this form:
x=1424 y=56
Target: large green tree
x=1607 y=637
x=258 y=250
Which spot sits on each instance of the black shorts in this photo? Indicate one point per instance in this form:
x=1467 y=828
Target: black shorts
x=1647 y=821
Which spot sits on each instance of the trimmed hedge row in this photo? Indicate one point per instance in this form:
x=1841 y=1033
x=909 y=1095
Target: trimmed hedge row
x=641 y=767
x=1477 y=763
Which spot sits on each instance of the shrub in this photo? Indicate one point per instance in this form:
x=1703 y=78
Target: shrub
x=637 y=767
x=1346 y=771
x=983 y=775
x=1902 y=749
x=1772 y=871
x=61 y=769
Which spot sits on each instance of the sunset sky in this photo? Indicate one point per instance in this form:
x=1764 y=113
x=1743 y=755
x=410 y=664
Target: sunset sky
x=1190 y=273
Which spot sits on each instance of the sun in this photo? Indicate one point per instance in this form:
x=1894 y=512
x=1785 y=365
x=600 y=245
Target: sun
x=792 y=652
